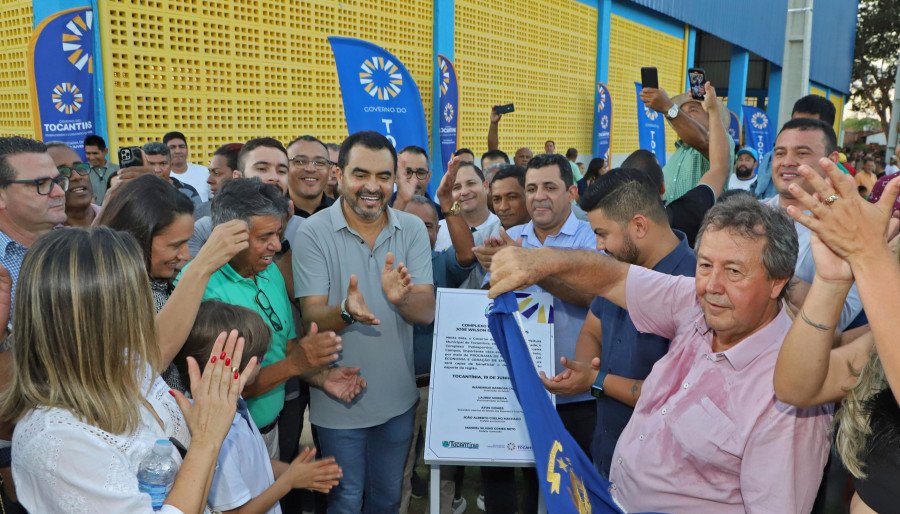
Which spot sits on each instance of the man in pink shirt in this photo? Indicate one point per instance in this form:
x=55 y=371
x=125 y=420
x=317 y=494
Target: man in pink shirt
x=707 y=433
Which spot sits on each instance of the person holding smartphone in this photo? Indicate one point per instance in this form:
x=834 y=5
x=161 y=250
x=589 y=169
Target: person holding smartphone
x=690 y=121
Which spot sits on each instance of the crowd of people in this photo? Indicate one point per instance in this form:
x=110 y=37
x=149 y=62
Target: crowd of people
x=708 y=316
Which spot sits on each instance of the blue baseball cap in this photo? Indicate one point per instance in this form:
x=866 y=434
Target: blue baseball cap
x=748 y=150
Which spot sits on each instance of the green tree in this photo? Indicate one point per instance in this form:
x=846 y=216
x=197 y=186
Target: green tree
x=875 y=57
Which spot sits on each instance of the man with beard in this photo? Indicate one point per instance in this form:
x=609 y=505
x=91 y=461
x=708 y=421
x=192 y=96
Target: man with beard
x=611 y=357
x=744 y=169
x=80 y=211
x=364 y=270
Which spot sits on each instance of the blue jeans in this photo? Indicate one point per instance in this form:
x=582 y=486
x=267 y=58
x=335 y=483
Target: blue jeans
x=372 y=460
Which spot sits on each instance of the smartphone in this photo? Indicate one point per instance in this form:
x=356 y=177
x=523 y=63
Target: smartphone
x=504 y=109
x=697 y=79
x=130 y=156
x=649 y=78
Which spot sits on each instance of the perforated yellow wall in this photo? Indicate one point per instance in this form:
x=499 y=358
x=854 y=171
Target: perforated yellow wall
x=541 y=56
x=231 y=70
x=816 y=91
x=632 y=45
x=16 y=22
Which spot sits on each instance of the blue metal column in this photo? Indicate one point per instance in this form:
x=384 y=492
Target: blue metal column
x=443 y=41
x=737 y=79
x=604 y=8
x=690 y=54
x=774 y=95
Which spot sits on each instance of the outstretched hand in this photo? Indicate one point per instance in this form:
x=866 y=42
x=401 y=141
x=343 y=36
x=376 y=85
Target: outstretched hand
x=344 y=383
x=577 y=378
x=356 y=304
x=515 y=268
x=396 y=282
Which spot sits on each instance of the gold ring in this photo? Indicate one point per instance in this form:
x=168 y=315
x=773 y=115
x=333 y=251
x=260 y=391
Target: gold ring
x=234 y=370
x=831 y=199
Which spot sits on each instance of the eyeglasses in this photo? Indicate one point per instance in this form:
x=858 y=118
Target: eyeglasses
x=263 y=301
x=420 y=173
x=45 y=185
x=82 y=168
x=319 y=163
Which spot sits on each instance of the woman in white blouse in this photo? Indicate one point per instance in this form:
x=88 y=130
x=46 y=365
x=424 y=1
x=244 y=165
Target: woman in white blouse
x=86 y=392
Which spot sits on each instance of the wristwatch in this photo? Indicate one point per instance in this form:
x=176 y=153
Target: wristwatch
x=672 y=112
x=346 y=316
x=597 y=388
x=454 y=209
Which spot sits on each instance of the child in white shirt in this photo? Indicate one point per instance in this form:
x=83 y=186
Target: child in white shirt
x=246 y=480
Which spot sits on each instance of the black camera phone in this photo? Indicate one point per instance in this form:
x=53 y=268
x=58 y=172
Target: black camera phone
x=649 y=77
x=697 y=80
x=130 y=156
x=504 y=109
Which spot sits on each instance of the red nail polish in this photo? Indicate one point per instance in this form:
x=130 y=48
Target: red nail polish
x=222 y=355
x=236 y=375
x=227 y=361
x=213 y=360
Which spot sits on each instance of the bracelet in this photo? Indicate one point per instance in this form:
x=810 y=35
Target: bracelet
x=813 y=324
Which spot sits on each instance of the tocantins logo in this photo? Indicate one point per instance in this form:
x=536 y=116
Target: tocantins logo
x=448 y=113
x=445 y=77
x=759 y=121
x=67 y=98
x=604 y=122
x=78 y=31
x=380 y=78
x=650 y=114
x=530 y=307
x=601 y=102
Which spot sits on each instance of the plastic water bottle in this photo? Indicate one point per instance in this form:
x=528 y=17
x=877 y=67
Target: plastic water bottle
x=156 y=473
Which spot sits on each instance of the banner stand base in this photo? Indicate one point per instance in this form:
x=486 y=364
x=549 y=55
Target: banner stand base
x=434 y=493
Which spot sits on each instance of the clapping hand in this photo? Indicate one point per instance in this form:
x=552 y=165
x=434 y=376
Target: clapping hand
x=315 y=350
x=216 y=390
x=315 y=475
x=844 y=221
x=396 y=282
x=356 y=304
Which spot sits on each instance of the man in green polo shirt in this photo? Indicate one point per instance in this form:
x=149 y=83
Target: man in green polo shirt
x=251 y=280
x=691 y=124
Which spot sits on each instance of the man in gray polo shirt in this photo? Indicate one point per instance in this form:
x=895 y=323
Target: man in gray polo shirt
x=364 y=270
